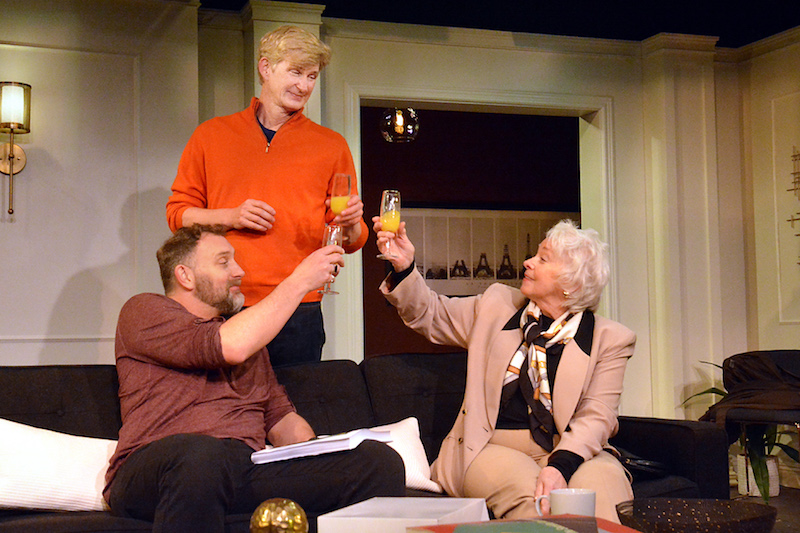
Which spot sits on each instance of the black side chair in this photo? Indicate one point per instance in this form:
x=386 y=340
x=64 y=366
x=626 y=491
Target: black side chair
x=763 y=391
x=788 y=366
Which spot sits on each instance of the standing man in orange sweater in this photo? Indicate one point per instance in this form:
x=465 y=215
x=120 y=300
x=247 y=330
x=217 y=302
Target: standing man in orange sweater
x=265 y=173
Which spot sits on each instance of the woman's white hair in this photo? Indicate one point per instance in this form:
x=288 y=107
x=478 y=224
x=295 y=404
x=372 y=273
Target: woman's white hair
x=585 y=264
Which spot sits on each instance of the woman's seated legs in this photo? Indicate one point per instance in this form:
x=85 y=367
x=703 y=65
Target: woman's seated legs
x=505 y=476
x=605 y=476
x=506 y=470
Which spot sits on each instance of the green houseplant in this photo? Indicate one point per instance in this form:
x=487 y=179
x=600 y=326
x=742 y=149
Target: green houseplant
x=759 y=442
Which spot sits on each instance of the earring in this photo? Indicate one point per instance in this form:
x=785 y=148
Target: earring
x=566 y=294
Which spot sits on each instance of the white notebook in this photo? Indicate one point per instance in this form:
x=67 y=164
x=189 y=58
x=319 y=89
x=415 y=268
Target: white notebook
x=318 y=446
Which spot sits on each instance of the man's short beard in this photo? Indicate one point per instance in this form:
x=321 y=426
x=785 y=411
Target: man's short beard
x=226 y=303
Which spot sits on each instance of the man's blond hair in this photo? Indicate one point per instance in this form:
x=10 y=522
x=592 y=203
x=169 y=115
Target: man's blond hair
x=304 y=47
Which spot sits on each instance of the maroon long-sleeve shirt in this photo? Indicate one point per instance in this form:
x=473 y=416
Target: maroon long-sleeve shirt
x=173 y=379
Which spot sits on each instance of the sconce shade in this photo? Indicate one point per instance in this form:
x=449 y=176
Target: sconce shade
x=15 y=107
x=399 y=125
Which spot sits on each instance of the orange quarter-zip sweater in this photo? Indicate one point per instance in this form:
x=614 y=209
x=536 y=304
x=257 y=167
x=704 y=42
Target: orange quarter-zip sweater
x=228 y=160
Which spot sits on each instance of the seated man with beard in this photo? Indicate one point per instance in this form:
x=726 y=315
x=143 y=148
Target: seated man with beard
x=198 y=395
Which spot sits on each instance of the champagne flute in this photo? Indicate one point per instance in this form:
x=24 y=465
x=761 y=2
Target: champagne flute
x=340 y=193
x=332 y=235
x=390 y=218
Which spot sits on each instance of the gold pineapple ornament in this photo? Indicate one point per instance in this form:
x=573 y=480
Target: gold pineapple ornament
x=279 y=515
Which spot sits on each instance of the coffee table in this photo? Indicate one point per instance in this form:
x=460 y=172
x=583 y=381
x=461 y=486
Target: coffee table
x=394 y=515
x=693 y=515
x=554 y=524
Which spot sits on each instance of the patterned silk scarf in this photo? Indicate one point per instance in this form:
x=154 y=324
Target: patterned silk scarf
x=528 y=369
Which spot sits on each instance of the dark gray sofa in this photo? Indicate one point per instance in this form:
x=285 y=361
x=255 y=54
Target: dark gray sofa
x=337 y=396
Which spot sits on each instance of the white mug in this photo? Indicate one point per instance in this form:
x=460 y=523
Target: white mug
x=568 y=501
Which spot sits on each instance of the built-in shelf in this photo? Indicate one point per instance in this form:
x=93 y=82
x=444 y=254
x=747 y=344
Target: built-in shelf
x=461 y=252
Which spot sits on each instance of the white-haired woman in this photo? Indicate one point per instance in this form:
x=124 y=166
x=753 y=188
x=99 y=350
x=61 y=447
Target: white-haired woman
x=544 y=375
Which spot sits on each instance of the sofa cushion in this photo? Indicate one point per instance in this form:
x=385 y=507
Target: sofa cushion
x=43 y=469
x=666 y=487
x=98 y=522
x=429 y=387
x=406 y=442
x=74 y=399
x=94 y=521
x=330 y=395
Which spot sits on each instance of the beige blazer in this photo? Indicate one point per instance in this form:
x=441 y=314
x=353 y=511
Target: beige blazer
x=587 y=385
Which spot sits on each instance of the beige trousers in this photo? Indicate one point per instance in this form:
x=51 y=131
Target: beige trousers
x=506 y=470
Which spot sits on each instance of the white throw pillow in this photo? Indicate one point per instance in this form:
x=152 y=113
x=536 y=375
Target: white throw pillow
x=43 y=469
x=406 y=442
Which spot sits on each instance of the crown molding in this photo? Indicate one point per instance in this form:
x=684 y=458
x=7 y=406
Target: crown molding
x=287 y=12
x=679 y=41
x=474 y=38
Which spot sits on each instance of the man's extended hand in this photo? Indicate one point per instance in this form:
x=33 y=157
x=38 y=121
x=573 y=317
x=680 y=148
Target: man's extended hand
x=320 y=267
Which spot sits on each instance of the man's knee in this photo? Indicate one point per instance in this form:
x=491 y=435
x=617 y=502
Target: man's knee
x=196 y=462
x=381 y=462
x=190 y=468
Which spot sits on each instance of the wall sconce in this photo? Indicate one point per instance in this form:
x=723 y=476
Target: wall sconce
x=15 y=117
x=399 y=125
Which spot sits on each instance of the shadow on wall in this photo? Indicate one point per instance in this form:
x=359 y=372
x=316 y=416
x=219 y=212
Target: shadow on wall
x=84 y=317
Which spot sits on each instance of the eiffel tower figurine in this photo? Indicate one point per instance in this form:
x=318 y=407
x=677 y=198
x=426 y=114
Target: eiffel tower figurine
x=483 y=270
x=506 y=270
x=459 y=270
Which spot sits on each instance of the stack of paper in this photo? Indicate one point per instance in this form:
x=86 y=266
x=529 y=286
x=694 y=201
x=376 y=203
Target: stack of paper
x=318 y=446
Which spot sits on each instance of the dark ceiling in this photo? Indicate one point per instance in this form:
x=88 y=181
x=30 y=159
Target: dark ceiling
x=735 y=22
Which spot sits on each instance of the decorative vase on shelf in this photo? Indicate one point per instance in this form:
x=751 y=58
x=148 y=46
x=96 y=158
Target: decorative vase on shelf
x=747 y=484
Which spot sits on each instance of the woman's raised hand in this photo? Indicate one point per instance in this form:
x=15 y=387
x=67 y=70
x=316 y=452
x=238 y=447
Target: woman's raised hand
x=403 y=247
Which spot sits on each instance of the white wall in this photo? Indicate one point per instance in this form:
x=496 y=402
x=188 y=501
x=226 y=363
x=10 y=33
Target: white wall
x=116 y=96
x=771 y=97
x=114 y=87
x=771 y=94
x=223 y=89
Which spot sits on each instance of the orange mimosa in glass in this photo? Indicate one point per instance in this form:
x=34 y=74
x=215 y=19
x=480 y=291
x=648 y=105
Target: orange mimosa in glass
x=390 y=217
x=339 y=204
x=390 y=220
x=340 y=193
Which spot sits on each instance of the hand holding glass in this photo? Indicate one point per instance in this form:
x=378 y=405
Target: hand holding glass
x=332 y=235
x=390 y=218
x=340 y=193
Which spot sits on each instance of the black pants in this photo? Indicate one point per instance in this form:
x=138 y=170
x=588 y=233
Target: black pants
x=301 y=339
x=189 y=483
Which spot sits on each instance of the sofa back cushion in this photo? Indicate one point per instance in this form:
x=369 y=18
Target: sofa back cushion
x=76 y=399
x=429 y=387
x=331 y=395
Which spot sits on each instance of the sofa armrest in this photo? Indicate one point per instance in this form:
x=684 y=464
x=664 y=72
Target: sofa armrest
x=694 y=450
